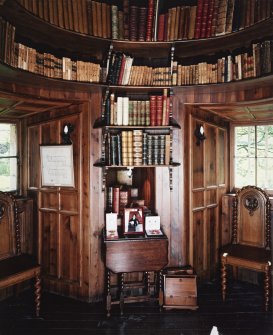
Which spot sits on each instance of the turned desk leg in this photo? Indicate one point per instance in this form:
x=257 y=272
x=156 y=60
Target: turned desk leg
x=38 y=293
x=224 y=280
x=108 y=298
x=266 y=287
x=160 y=296
x=148 y=283
x=121 y=296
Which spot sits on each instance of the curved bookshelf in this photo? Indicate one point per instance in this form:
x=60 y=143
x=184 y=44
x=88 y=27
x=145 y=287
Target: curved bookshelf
x=73 y=44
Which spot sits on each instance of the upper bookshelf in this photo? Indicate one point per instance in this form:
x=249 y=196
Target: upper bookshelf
x=69 y=30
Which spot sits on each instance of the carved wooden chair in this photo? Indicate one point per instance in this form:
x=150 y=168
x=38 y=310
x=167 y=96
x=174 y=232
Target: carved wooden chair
x=15 y=267
x=250 y=246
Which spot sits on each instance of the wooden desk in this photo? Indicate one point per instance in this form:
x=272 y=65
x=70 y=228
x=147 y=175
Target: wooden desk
x=134 y=255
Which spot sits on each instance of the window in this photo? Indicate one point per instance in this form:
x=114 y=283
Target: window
x=253 y=156
x=8 y=157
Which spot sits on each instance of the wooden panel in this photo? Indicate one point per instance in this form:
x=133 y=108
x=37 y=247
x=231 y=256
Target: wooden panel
x=69 y=248
x=198 y=199
x=211 y=197
x=69 y=201
x=210 y=155
x=211 y=240
x=221 y=156
x=33 y=154
x=49 y=225
x=197 y=161
x=49 y=200
x=25 y=212
x=198 y=241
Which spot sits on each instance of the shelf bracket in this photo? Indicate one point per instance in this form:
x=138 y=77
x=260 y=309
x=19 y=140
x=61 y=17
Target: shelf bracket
x=103 y=179
x=171 y=178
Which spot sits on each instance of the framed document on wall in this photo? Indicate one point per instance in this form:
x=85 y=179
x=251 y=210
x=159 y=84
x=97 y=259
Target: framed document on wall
x=57 y=167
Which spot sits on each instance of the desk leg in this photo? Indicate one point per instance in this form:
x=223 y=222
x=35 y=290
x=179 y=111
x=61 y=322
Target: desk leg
x=160 y=297
x=108 y=299
x=148 y=283
x=121 y=296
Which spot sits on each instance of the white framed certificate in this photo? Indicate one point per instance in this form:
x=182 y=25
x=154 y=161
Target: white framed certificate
x=57 y=167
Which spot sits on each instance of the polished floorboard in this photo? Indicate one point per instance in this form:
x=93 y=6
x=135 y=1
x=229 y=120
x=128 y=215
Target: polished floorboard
x=241 y=314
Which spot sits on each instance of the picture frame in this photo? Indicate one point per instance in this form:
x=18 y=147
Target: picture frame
x=57 y=167
x=133 y=221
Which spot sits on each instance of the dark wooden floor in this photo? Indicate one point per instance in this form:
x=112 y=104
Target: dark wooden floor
x=241 y=314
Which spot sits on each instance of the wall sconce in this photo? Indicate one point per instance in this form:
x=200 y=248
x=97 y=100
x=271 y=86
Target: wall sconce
x=199 y=134
x=67 y=130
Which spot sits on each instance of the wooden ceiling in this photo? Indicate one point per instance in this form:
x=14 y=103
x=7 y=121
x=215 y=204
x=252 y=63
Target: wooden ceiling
x=17 y=107
x=261 y=111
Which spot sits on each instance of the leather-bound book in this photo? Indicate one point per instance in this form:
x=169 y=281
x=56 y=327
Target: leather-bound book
x=187 y=16
x=120 y=25
x=147 y=112
x=181 y=23
x=209 y=18
x=204 y=18
x=124 y=146
x=130 y=148
x=46 y=11
x=229 y=16
x=176 y=24
x=70 y=14
x=104 y=19
x=142 y=19
x=159 y=110
x=214 y=18
x=198 y=20
x=124 y=199
x=133 y=23
x=243 y=13
x=84 y=16
x=150 y=19
x=114 y=12
x=65 y=14
x=193 y=10
x=153 y=110
x=161 y=26
x=116 y=191
x=161 y=149
x=99 y=18
x=221 y=19
x=137 y=146
x=126 y=19
x=60 y=14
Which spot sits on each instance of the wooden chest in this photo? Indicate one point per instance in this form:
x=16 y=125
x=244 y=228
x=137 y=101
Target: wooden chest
x=180 y=289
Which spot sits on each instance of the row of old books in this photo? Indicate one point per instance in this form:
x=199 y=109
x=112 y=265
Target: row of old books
x=48 y=65
x=98 y=18
x=128 y=21
x=250 y=63
x=211 y=18
x=235 y=66
x=121 y=71
x=120 y=196
x=122 y=111
x=136 y=148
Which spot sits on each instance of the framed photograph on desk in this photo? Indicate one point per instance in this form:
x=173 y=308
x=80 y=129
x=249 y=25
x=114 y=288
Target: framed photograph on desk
x=133 y=222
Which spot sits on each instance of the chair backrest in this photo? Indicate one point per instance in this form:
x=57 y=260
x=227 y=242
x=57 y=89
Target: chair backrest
x=251 y=218
x=9 y=227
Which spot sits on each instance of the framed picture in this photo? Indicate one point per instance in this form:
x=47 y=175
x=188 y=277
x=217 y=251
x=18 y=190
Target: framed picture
x=133 y=221
x=57 y=167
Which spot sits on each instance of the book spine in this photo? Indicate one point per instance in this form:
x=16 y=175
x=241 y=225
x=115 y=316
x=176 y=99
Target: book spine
x=137 y=147
x=124 y=142
x=133 y=25
x=204 y=18
x=198 y=20
x=150 y=16
x=126 y=19
x=209 y=18
x=116 y=191
x=142 y=24
x=153 y=110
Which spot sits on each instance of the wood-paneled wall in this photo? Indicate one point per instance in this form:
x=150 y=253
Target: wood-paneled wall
x=69 y=221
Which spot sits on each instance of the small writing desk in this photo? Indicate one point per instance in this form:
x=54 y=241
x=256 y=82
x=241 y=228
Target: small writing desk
x=137 y=254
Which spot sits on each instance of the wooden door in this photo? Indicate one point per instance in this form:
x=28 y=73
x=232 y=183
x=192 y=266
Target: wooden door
x=208 y=183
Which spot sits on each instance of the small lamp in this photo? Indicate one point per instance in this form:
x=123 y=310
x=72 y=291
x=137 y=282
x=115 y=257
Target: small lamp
x=199 y=134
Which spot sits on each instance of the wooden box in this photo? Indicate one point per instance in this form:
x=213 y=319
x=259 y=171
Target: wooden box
x=180 y=289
